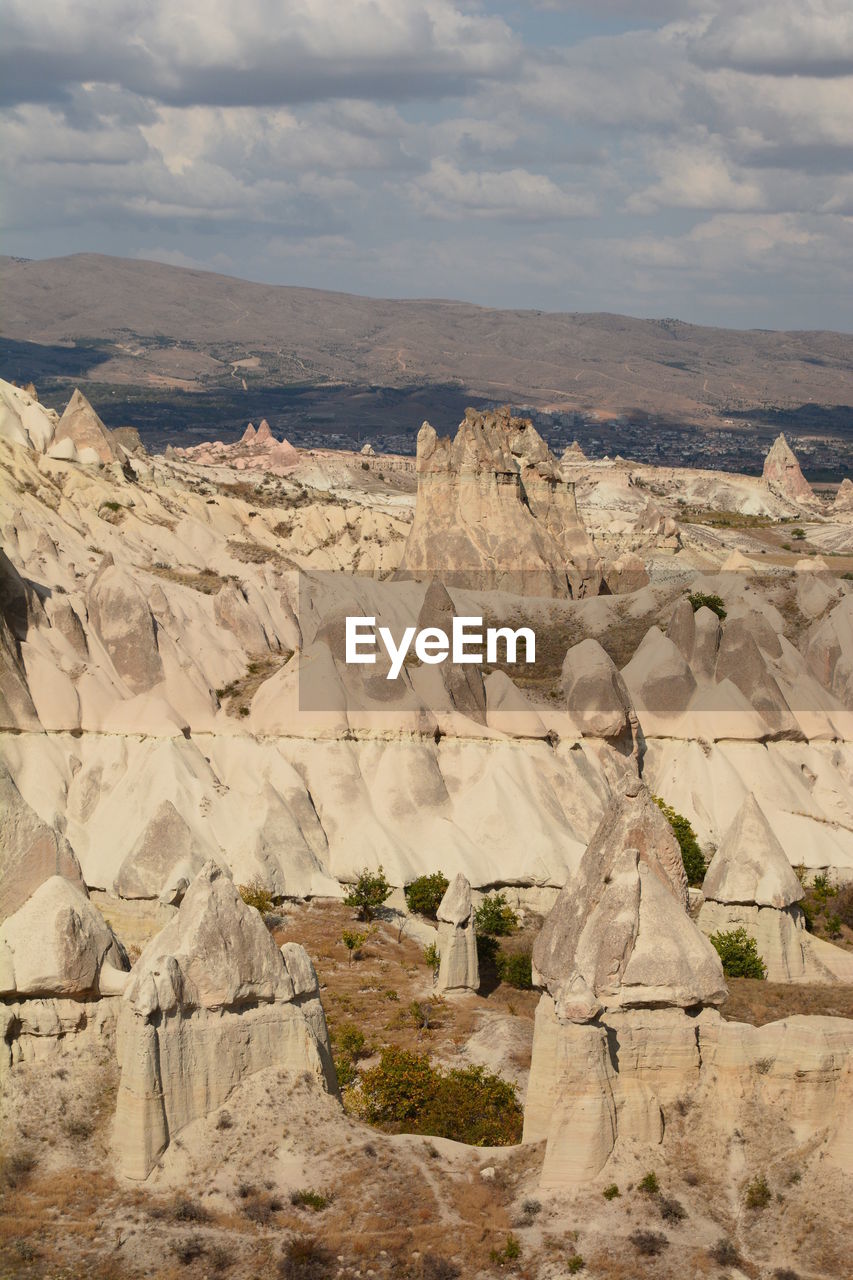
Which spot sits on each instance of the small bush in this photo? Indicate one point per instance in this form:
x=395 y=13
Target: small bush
x=648 y=1243
x=516 y=969
x=405 y=1093
x=424 y=894
x=724 y=1253
x=510 y=1252
x=188 y=1249
x=432 y=957
x=530 y=1208
x=739 y=954
x=487 y=950
x=495 y=917
x=186 y=1210
x=574 y=1264
x=17 y=1166
x=699 y=600
x=345 y=1070
x=354 y=941
x=798 y=533
x=368 y=893
x=833 y=926
x=757 y=1194
x=611 y=1192
x=671 y=1210
x=305 y=1259
x=434 y=1268
x=785 y=1273
x=310 y=1200
x=649 y=1184
x=350 y=1039
x=224 y=1120
x=691 y=855
x=844 y=905
x=255 y=894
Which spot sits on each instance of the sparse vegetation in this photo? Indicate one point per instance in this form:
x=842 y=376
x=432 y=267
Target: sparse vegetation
x=701 y=600
x=368 y=893
x=304 y=1258
x=575 y=1264
x=432 y=957
x=724 y=1253
x=649 y=1243
x=312 y=1200
x=255 y=894
x=649 y=1184
x=757 y=1194
x=611 y=1192
x=494 y=917
x=515 y=969
x=405 y=1093
x=354 y=940
x=510 y=1252
x=691 y=855
x=424 y=894
x=739 y=954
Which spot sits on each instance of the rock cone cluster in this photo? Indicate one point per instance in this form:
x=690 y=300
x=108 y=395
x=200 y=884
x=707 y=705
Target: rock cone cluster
x=495 y=511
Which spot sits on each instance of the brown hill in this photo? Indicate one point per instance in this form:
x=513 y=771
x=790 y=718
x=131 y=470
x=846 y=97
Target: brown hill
x=166 y=326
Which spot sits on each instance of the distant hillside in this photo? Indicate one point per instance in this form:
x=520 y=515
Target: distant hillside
x=124 y=322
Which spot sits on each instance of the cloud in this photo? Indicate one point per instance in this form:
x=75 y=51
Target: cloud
x=260 y=52
x=788 y=37
x=449 y=192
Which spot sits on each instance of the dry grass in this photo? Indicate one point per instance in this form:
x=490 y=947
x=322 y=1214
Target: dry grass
x=237 y=696
x=757 y=1002
x=208 y=581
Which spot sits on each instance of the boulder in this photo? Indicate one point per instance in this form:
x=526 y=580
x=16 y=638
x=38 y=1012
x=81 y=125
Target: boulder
x=597 y=698
x=58 y=944
x=121 y=619
x=30 y=851
x=212 y=1000
x=457 y=942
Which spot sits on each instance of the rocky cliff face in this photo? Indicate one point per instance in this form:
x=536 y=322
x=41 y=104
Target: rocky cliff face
x=494 y=510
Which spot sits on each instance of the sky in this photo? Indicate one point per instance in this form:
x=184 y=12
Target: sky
x=648 y=157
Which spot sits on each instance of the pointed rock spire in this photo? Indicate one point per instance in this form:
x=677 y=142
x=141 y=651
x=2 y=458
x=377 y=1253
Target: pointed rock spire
x=750 y=865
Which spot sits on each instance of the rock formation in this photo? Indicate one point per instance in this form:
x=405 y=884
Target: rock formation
x=30 y=850
x=495 y=511
x=457 y=942
x=597 y=698
x=82 y=436
x=211 y=1000
x=843 y=503
x=782 y=473
x=750 y=884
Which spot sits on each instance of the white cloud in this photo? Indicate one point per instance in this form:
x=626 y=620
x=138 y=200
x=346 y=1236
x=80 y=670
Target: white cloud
x=449 y=192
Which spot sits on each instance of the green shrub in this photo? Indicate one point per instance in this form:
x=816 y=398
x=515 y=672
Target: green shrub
x=345 y=1070
x=691 y=855
x=368 y=893
x=739 y=954
x=405 y=1093
x=757 y=1194
x=495 y=917
x=515 y=969
x=510 y=1252
x=310 y=1200
x=255 y=894
x=798 y=533
x=424 y=894
x=487 y=950
x=611 y=1192
x=350 y=1039
x=432 y=957
x=699 y=600
x=574 y=1264
x=354 y=941
x=649 y=1184
x=844 y=905
x=833 y=926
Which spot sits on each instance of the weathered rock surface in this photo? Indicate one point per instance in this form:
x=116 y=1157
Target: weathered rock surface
x=457 y=942
x=30 y=850
x=210 y=1001
x=494 y=508
x=58 y=944
x=82 y=429
x=782 y=473
x=597 y=697
x=750 y=865
x=122 y=620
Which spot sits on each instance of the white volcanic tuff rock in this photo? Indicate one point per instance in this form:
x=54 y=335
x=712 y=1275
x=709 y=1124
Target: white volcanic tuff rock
x=211 y=1000
x=494 y=507
x=23 y=421
x=463 y=681
x=164 y=852
x=750 y=866
x=619 y=934
x=782 y=473
x=750 y=884
x=829 y=651
x=81 y=429
x=58 y=944
x=659 y=681
x=457 y=942
x=844 y=497
x=609 y=1083
x=597 y=698
x=121 y=618
x=803 y=789
x=31 y=851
